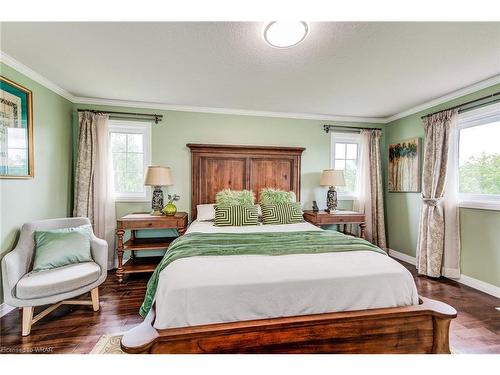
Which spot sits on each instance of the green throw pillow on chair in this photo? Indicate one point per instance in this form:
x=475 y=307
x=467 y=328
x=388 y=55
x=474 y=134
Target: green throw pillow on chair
x=61 y=247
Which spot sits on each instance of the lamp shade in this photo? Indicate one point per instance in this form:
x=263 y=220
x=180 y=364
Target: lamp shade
x=158 y=176
x=332 y=177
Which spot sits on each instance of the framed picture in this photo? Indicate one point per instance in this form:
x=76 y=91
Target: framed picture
x=16 y=130
x=404 y=166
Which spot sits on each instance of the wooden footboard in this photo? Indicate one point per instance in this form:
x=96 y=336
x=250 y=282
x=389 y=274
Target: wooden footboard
x=414 y=329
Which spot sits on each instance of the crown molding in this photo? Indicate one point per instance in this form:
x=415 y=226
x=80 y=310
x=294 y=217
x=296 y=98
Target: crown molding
x=227 y=111
x=30 y=73
x=446 y=98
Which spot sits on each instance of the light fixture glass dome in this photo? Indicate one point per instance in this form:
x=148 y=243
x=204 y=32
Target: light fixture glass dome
x=284 y=34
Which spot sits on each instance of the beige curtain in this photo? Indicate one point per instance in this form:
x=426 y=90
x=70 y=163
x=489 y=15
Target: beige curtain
x=369 y=181
x=94 y=178
x=431 y=243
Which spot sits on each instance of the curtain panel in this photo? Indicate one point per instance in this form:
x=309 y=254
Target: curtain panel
x=94 y=179
x=438 y=234
x=370 y=192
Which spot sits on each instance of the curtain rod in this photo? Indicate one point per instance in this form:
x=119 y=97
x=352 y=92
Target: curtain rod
x=328 y=128
x=468 y=103
x=157 y=118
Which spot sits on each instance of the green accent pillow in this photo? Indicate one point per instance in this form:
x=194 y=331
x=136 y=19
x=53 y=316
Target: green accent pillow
x=273 y=196
x=282 y=213
x=228 y=197
x=238 y=215
x=61 y=247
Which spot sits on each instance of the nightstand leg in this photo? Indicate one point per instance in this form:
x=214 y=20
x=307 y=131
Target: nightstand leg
x=181 y=230
x=362 y=227
x=119 y=251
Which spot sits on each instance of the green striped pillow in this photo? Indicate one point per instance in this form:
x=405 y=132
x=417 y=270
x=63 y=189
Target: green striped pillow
x=236 y=215
x=282 y=213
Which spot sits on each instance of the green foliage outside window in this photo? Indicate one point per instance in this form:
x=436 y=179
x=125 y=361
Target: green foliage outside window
x=480 y=175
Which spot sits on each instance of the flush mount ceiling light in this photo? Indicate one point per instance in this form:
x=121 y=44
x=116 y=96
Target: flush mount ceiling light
x=284 y=34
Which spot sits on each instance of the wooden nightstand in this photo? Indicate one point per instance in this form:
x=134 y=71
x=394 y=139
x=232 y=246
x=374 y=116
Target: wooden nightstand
x=340 y=217
x=141 y=221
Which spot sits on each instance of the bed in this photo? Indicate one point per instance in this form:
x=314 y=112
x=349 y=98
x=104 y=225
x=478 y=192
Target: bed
x=334 y=302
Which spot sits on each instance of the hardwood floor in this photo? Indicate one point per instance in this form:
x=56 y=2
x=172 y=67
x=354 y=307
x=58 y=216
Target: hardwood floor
x=76 y=329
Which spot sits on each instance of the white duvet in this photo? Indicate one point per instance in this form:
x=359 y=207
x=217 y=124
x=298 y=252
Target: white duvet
x=216 y=289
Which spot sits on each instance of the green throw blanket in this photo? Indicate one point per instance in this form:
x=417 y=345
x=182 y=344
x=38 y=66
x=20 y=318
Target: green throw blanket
x=275 y=243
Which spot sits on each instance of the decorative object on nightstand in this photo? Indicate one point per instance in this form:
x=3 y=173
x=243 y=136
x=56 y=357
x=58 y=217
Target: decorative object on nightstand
x=332 y=178
x=170 y=209
x=315 y=207
x=157 y=176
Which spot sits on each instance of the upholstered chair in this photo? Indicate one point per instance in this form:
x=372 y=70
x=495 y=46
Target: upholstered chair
x=27 y=289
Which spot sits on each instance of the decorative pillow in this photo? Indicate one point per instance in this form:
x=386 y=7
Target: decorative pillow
x=238 y=215
x=228 y=197
x=61 y=247
x=273 y=196
x=205 y=212
x=282 y=213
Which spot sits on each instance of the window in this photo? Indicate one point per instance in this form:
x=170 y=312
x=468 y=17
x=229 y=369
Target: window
x=345 y=156
x=130 y=149
x=478 y=145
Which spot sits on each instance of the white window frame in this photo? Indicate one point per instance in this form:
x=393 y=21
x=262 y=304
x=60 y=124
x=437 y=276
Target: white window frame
x=481 y=116
x=137 y=127
x=345 y=138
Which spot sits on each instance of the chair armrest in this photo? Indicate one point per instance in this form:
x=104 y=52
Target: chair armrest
x=99 y=250
x=15 y=265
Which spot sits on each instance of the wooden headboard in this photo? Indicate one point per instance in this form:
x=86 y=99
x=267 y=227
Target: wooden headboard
x=217 y=167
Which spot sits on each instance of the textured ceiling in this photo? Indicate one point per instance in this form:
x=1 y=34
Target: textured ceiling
x=350 y=69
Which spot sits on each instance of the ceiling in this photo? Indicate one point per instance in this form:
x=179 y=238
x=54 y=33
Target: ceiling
x=340 y=69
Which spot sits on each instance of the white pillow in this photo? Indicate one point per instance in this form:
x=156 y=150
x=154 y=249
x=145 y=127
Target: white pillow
x=205 y=212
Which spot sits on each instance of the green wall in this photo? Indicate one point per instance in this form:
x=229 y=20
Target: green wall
x=170 y=136
x=48 y=194
x=479 y=229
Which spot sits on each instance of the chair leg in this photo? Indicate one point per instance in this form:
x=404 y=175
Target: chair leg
x=95 y=298
x=27 y=320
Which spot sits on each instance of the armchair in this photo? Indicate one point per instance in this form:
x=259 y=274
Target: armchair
x=26 y=289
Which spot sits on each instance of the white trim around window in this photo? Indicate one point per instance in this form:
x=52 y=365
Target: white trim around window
x=481 y=116
x=137 y=127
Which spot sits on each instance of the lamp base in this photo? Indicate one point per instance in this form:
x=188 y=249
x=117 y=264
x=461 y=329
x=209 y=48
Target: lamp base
x=156 y=213
x=331 y=200
x=157 y=201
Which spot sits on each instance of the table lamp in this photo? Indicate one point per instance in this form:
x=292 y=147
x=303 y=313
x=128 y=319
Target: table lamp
x=332 y=178
x=157 y=176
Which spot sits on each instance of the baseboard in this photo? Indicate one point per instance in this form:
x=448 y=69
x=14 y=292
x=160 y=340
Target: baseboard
x=402 y=256
x=482 y=286
x=479 y=285
x=5 y=309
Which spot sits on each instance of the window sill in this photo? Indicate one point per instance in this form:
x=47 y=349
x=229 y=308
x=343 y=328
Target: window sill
x=481 y=205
